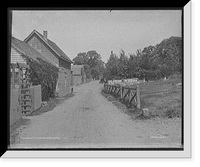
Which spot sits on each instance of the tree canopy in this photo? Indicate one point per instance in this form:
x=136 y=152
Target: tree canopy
x=153 y=62
x=93 y=65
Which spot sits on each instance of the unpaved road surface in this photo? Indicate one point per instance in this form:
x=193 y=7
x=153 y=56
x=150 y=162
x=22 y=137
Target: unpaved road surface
x=89 y=120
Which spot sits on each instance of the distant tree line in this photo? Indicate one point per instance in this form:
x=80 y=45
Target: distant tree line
x=151 y=63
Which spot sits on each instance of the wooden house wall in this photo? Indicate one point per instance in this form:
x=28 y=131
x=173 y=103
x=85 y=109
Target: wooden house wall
x=63 y=63
x=77 y=79
x=16 y=57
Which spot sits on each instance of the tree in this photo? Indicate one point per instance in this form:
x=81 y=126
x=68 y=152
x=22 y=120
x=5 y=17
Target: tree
x=133 y=66
x=81 y=59
x=112 y=66
x=87 y=70
x=123 y=69
x=152 y=62
x=98 y=69
x=92 y=62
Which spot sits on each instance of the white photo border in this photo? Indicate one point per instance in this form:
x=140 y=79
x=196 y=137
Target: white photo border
x=185 y=153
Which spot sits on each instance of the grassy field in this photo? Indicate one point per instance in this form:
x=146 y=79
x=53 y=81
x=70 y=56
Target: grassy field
x=163 y=98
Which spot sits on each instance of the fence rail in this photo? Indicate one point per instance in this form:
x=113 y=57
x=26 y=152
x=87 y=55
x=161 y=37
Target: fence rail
x=128 y=95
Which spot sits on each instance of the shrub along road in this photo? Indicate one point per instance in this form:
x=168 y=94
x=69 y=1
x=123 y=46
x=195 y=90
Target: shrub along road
x=89 y=120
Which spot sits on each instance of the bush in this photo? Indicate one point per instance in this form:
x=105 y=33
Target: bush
x=153 y=74
x=176 y=76
x=44 y=74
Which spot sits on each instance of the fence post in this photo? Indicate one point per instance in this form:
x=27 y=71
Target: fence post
x=129 y=100
x=138 y=96
x=121 y=92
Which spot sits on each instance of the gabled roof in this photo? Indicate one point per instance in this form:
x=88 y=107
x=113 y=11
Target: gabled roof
x=51 y=44
x=76 y=69
x=27 y=50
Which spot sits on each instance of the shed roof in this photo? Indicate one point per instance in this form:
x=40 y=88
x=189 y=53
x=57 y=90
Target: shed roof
x=27 y=50
x=52 y=45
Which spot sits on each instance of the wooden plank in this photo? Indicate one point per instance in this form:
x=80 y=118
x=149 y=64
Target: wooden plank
x=125 y=92
x=114 y=91
x=133 y=88
x=110 y=88
x=121 y=92
x=125 y=95
x=118 y=90
x=16 y=57
x=138 y=96
x=132 y=98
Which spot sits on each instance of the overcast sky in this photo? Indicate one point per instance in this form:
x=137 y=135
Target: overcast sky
x=100 y=30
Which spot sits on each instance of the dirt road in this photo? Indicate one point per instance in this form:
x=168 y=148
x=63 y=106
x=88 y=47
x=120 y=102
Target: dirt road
x=89 y=120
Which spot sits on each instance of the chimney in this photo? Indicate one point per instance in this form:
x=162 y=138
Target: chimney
x=45 y=35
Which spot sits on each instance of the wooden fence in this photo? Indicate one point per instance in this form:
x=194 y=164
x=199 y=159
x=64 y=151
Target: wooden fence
x=128 y=95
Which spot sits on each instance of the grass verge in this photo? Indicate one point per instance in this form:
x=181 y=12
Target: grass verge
x=162 y=98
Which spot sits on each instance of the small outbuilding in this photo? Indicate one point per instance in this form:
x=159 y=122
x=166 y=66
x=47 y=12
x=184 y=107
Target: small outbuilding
x=79 y=76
